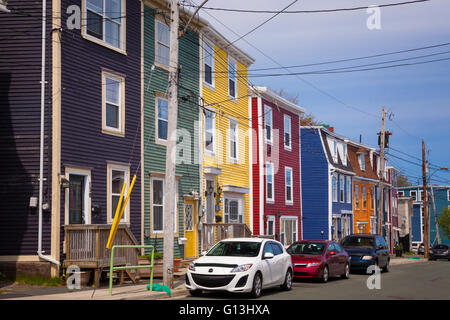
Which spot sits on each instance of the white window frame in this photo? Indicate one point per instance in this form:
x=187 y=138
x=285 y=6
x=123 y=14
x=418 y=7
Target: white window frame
x=158 y=59
x=176 y=218
x=341 y=188
x=240 y=202
x=212 y=131
x=448 y=195
x=120 y=130
x=282 y=233
x=272 y=219
x=289 y=146
x=362 y=161
x=102 y=41
x=87 y=197
x=272 y=199
x=286 y=170
x=335 y=151
x=209 y=44
x=415 y=194
x=400 y=193
x=344 y=154
x=421 y=195
x=126 y=170
x=234 y=139
x=268 y=110
x=232 y=76
x=348 y=189
x=334 y=187
x=157 y=118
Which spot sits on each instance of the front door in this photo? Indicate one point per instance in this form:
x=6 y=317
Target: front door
x=76 y=199
x=190 y=224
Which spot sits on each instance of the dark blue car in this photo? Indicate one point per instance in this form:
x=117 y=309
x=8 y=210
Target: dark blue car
x=366 y=250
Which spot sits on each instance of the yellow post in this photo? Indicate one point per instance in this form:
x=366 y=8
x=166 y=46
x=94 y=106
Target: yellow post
x=115 y=221
x=117 y=218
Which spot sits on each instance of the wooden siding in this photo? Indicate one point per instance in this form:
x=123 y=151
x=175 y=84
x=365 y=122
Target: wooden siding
x=255 y=169
x=315 y=200
x=20 y=89
x=155 y=154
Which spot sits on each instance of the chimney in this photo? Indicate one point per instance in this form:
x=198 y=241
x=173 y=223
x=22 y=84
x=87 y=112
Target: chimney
x=331 y=129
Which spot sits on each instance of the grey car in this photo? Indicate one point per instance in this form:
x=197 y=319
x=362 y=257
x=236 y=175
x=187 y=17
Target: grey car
x=439 y=251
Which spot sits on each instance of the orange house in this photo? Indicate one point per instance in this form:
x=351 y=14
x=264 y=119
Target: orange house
x=364 y=182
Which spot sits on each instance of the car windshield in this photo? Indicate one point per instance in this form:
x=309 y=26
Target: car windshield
x=235 y=249
x=440 y=246
x=307 y=248
x=358 y=242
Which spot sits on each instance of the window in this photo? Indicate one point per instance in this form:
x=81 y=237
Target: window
x=421 y=195
x=414 y=195
x=287 y=132
x=288 y=184
x=117 y=176
x=232 y=75
x=370 y=193
x=400 y=193
x=113 y=111
x=361 y=160
x=448 y=195
x=334 y=186
x=270 y=225
x=105 y=21
x=158 y=201
x=364 y=194
x=233 y=140
x=189 y=217
x=233 y=212
x=162 y=54
x=208 y=56
x=269 y=182
x=356 y=196
x=163 y=118
x=268 y=123
x=349 y=189
x=335 y=152
x=288 y=230
x=210 y=129
x=341 y=188
x=344 y=154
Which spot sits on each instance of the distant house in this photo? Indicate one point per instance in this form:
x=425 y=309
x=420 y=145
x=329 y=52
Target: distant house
x=276 y=166
x=327 y=178
x=405 y=213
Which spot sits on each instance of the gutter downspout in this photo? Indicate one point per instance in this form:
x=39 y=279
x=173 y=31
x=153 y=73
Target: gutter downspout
x=41 y=156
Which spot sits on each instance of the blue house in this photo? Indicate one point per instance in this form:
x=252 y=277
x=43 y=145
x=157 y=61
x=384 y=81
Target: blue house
x=326 y=184
x=442 y=201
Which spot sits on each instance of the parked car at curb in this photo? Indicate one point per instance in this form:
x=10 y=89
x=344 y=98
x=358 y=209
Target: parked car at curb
x=319 y=259
x=366 y=250
x=245 y=265
x=421 y=249
x=439 y=251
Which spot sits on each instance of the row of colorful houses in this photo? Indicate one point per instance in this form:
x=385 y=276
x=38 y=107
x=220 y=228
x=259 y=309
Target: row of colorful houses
x=244 y=164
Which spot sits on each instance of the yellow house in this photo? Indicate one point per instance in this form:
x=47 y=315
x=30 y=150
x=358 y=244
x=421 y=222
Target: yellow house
x=225 y=140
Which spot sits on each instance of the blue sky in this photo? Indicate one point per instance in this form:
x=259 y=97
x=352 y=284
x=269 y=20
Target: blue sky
x=418 y=96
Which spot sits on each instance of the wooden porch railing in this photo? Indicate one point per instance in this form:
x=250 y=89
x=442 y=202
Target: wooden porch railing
x=215 y=232
x=85 y=247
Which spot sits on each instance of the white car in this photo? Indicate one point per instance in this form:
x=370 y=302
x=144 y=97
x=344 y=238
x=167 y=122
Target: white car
x=241 y=265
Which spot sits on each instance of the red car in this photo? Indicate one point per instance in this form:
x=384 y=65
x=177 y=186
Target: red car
x=319 y=259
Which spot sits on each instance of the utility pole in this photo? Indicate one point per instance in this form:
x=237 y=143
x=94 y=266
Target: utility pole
x=381 y=173
x=170 y=188
x=426 y=234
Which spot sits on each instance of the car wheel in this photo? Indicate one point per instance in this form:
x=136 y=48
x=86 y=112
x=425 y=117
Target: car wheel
x=386 y=267
x=257 y=286
x=195 y=293
x=346 y=274
x=325 y=274
x=287 y=285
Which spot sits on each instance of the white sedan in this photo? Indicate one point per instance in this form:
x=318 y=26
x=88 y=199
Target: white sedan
x=241 y=265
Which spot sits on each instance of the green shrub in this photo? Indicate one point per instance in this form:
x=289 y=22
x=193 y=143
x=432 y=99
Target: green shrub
x=38 y=281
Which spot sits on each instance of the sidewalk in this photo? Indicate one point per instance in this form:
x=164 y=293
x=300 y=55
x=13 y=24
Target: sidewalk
x=406 y=259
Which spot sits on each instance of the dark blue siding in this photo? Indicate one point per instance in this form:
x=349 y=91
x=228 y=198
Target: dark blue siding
x=416 y=224
x=314 y=185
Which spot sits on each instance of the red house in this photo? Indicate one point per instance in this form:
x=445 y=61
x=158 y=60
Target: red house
x=276 y=166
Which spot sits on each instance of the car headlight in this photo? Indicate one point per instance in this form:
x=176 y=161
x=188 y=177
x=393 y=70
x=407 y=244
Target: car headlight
x=242 y=268
x=313 y=264
x=367 y=258
x=192 y=266
x=445 y=252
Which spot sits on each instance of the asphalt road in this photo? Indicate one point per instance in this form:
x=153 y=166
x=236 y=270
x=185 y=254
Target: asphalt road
x=426 y=280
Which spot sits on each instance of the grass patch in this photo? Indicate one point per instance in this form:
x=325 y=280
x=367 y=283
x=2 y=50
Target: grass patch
x=410 y=253
x=38 y=281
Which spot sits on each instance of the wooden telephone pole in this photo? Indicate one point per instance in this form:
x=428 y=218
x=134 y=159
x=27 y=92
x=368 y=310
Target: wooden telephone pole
x=381 y=173
x=426 y=232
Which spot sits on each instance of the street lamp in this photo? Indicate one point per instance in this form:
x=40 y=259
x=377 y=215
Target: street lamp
x=434 y=203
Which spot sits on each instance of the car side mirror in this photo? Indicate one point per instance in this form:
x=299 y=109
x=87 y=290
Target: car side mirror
x=203 y=253
x=331 y=253
x=268 y=255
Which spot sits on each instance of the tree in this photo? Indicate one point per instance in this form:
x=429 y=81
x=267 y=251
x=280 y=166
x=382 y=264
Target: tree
x=444 y=223
x=403 y=181
x=305 y=119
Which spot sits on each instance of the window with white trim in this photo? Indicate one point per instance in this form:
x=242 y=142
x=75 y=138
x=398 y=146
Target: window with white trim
x=344 y=154
x=421 y=195
x=233 y=132
x=268 y=124
x=335 y=151
x=233 y=212
x=288 y=230
x=118 y=175
x=349 y=189
x=232 y=76
x=208 y=66
x=210 y=130
x=162 y=54
x=334 y=188
x=287 y=132
x=158 y=199
x=105 y=21
x=356 y=196
x=288 y=185
x=341 y=188
x=270 y=230
x=113 y=103
x=448 y=195
x=163 y=118
x=269 y=182
x=361 y=161
x=413 y=194
x=400 y=193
